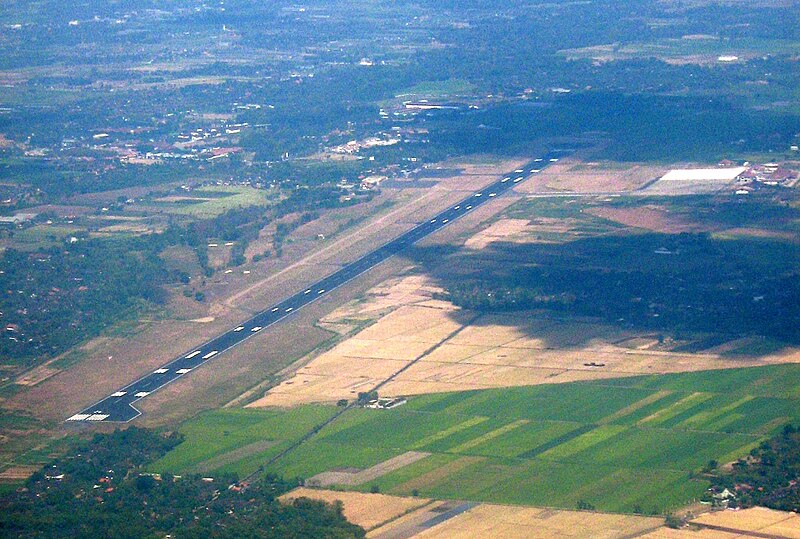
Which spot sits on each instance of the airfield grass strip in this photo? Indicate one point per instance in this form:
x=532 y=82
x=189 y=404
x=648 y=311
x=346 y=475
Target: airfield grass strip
x=536 y=451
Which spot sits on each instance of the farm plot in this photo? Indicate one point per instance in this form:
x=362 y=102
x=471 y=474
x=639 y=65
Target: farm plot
x=455 y=350
x=619 y=445
x=394 y=516
x=488 y=520
x=238 y=441
x=756 y=520
x=365 y=510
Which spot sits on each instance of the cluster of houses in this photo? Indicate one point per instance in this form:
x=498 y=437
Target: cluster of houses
x=354 y=146
x=767 y=174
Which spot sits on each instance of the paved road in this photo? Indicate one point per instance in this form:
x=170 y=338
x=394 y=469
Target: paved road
x=119 y=405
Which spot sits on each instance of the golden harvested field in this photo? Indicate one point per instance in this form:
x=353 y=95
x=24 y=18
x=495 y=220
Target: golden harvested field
x=386 y=517
x=502 y=521
x=365 y=510
x=757 y=519
x=363 y=361
x=669 y=533
x=753 y=522
x=443 y=348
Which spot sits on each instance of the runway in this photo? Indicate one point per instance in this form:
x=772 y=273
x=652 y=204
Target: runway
x=118 y=407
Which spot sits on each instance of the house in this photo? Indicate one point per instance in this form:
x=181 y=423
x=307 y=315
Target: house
x=723 y=498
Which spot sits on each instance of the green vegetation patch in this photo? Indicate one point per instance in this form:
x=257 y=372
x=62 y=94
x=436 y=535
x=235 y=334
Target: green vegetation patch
x=216 y=433
x=42 y=236
x=212 y=201
x=632 y=444
x=439 y=89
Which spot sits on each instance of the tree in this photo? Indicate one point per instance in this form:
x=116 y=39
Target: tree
x=145 y=483
x=673 y=521
x=365 y=396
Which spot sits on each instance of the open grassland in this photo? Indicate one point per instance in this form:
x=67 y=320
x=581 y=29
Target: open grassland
x=621 y=445
x=43 y=236
x=438 y=91
x=211 y=201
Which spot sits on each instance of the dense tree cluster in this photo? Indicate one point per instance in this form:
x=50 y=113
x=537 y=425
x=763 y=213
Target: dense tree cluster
x=687 y=282
x=54 y=298
x=769 y=476
x=100 y=489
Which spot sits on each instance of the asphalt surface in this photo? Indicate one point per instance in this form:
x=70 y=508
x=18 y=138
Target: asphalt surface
x=118 y=407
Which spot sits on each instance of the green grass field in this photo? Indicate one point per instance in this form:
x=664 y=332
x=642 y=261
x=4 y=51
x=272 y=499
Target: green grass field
x=213 y=434
x=439 y=89
x=213 y=200
x=435 y=90
x=621 y=445
x=43 y=236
